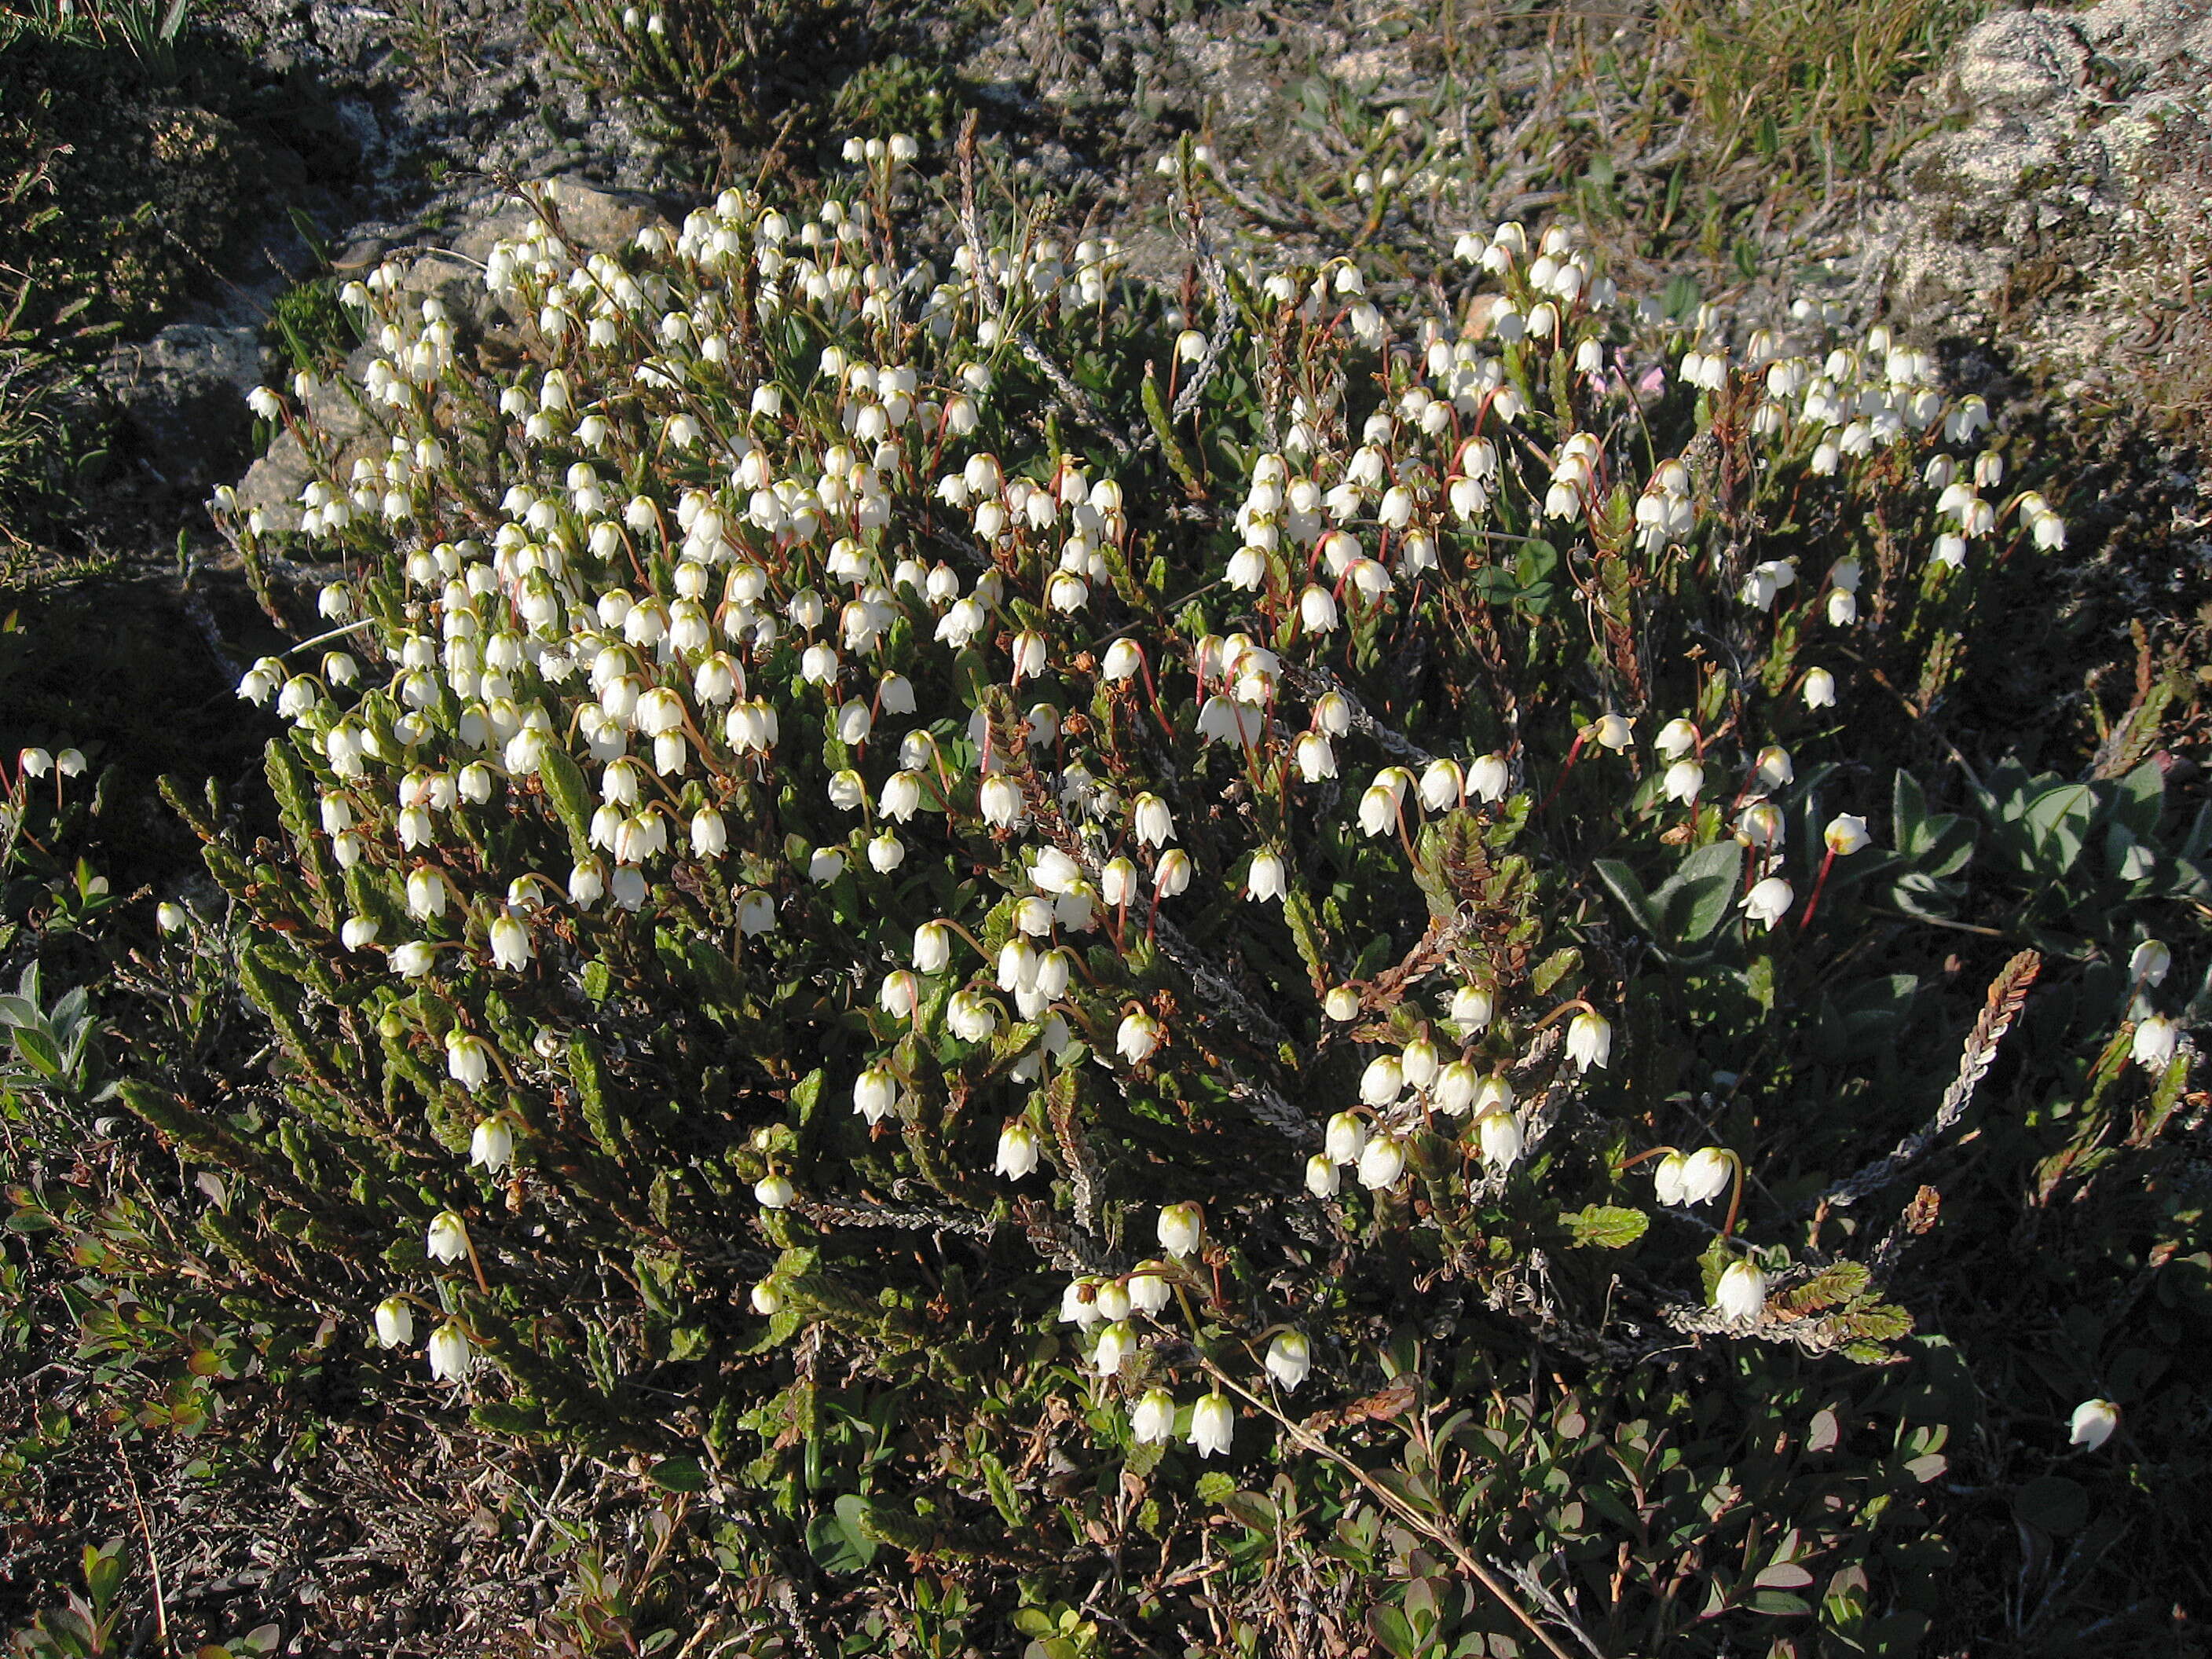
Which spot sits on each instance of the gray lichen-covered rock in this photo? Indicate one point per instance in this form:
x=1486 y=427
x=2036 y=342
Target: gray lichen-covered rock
x=182 y=396
x=272 y=485
x=2071 y=219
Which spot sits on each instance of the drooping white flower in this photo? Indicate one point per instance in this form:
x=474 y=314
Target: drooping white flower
x=1768 y=901
x=1137 y=1036
x=1818 y=688
x=449 y=1353
x=1676 y=738
x=2155 y=1040
x=1471 y=1007
x=1382 y=1161
x=1152 y=822
x=1322 y=1178
x=1171 y=875
x=1148 y=1291
x=448 y=1239
x=427 y=894
x=1290 y=1358
x=972 y=1017
x=1180 y=1226
x=1589 y=1041
x=2149 y=962
x=395 y=1321
x=1383 y=1080
x=1267 y=878
x=1762 y=824
x=774 y=1192
x=1741 y=1294
x=999 y=800
x=1054 y=871
x=491 y=1144
x=1313 y=757
x=1115 y=1343
x=1684 y=781
x=1455 y=1088
x=1704 y=1173
x=875 y=1092
x=1152 y=1422
x=1500 y=1136
x=1078 y=1303
x=1846 y=834
x=1212 y=1422
x=2093 y=1424
x=1019 y=1151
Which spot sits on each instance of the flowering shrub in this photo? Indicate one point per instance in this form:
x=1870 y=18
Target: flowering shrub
x=878 y=824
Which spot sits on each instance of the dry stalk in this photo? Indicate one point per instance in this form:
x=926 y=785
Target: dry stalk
x=2007 y=993
x=1436 y=1531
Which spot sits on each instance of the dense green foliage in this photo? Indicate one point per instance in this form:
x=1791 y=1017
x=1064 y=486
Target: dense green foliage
x=793 y=1102
x=863 y=759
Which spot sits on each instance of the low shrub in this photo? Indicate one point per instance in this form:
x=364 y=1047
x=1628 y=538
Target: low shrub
x=924 y=901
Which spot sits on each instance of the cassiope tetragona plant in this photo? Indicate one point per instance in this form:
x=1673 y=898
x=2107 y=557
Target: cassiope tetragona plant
x=873 y=790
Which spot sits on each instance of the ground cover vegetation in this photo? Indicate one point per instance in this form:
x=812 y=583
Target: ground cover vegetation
x=946 y=950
